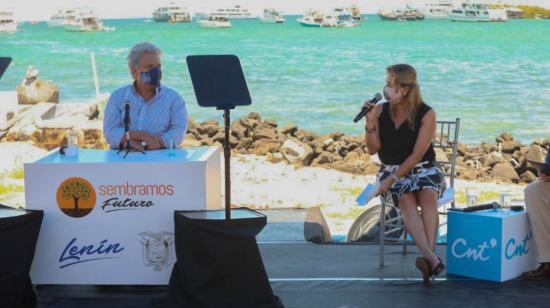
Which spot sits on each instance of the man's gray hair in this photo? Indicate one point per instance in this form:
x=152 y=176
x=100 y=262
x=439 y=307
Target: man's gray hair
x=138 y=50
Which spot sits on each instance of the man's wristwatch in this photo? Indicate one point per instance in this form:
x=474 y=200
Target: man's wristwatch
x=143 y=144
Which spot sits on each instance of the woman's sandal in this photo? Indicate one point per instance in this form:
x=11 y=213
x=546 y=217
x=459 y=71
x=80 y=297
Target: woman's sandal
x=440 y=267
x=424 y=266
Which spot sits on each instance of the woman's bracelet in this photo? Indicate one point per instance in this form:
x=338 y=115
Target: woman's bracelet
x=370 y=130
x=395 y=177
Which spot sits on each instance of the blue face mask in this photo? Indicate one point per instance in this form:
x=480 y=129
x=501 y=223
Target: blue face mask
x=152 y=77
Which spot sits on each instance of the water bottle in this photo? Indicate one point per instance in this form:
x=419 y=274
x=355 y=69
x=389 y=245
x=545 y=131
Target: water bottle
x=72 y=143
x=172 y=148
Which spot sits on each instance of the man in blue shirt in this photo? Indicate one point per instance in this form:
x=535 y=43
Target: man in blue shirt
x=158 y=116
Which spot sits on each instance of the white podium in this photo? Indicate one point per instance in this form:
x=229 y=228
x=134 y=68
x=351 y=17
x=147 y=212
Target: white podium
x=109 y=220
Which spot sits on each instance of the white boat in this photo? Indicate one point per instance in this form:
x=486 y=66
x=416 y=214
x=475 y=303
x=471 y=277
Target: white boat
x=87 y=21
x=236 y=12
x=317 y=19
x=172 y=13
x=437 y=9
x=407 y=14
x=215 y=22
x=353 y=11
x=7 y=23
x=475 y=11
x=272 y=16
x=64 y=17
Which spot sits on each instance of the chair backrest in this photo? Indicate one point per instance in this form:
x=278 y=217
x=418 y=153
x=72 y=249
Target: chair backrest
x=446 y=138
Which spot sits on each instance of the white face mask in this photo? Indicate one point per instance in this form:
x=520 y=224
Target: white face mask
x=392 y=95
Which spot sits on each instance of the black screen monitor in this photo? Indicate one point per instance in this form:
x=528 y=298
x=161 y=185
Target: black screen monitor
x=4 y=63
x=218 y=81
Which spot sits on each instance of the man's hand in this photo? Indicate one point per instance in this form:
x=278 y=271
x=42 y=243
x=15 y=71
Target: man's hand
x=544 y=177
x=153 y=142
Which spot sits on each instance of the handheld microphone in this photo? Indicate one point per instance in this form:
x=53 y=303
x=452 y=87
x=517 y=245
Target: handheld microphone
x=127 y=120
x=365 y=110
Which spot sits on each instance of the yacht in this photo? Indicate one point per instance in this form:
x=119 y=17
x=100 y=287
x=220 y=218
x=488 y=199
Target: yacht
x=215 y=22
x=352 y=11
x=87 y=21
x=407 y=14
x=236 y=12
x=437 y=9
x=64 y=17
x=272 y=16
x=172 y=13
x=316 y=19
x=475 y=11
x=7 y=23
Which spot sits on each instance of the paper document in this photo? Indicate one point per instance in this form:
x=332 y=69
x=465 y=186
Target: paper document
x=368 y=193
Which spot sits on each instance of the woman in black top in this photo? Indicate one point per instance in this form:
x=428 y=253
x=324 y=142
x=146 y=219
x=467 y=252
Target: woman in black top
x=401 y=132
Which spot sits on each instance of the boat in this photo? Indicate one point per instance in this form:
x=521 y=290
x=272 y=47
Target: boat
x=348 y=17
x=87 y=21
x=64 y=17
x=236 y=12
x=353 y=11
x=215 y=22
x=475 y=11
x=7 y=22
x=407 y=14
x=316 y=19
x=172 y=13
x=437 y=9
x=272 y=16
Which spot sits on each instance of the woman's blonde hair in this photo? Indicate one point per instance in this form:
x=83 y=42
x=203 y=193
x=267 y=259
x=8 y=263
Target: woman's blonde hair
x=404 y=75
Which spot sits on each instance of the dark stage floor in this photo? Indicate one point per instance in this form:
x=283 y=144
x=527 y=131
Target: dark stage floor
x=310 y=275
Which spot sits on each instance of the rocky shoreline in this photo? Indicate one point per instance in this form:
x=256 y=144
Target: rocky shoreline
x=505 y=161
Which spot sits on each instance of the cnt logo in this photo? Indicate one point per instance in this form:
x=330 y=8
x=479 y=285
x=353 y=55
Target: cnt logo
x=76 y=197
x=460 y=249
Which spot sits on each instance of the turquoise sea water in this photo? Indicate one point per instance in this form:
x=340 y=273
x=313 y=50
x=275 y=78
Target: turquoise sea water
x=494 y=76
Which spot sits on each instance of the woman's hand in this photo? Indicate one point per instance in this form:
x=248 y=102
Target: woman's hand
x=371 y=115
x=385 y=186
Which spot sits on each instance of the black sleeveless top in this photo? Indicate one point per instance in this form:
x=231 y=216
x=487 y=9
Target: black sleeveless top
x=398 y=144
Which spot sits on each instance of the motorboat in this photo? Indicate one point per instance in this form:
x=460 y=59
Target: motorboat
x=235 y=12
x=172 y=13
x=272 y=16
x=476 y=11
x=7 y=22
x=437 y=9
x=87 y=21
x=215 y=22
x=407 y=14
x=64 y=17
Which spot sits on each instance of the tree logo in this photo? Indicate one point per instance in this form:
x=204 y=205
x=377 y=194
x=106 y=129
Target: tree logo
x=76 y=197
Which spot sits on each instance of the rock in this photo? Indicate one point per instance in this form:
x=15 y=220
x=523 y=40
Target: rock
x=190 y=143
x=351 y=156
x=535 y=153
x=238 y=129
x=33 y=90
x=323 y=158
x=305 y=136
x=492 y=159
x=244 y=144
x=264 y=146
x=296 y=152
x=336 y=136
x=289 y=129
x=355 y=167
x=528 y=177
x=510 y=146
x=326 y=143
x=504 y=137
x=440 y=155
x=264 y=132
x=465 y=173
x=462 y=149
x=275 y=157
x=271 y=123
x=488 y=147
x=254 y=116
x=208 y=129
x=506 y=172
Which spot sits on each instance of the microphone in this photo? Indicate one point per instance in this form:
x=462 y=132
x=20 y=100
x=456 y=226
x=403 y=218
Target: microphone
x=127 y=121
x=365 y=110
